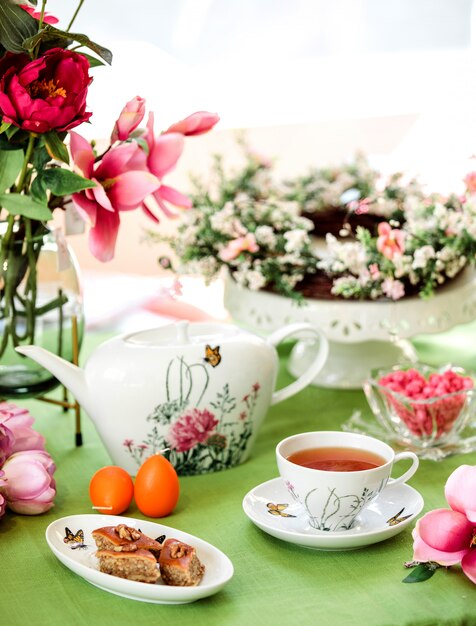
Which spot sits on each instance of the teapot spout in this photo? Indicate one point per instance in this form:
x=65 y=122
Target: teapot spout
x=71 y=376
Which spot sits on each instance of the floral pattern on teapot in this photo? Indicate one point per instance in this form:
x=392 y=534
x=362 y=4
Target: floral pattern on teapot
x=198 y=439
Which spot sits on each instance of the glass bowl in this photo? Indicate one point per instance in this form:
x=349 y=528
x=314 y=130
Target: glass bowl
x=422 y=407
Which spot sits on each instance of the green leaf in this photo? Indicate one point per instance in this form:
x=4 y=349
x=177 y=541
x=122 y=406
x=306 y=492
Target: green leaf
x=11 y=162
x=38 y=190
x=64 y=182
x=4 y=126
x=93 y=61
x=11 y=130
x=420 y=573
x=18 y=204
x=55 y=147
x=52 y=36
x=16 y=25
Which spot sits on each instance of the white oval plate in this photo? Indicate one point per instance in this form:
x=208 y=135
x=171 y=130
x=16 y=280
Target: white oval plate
x=79 y=557
x=270 y=507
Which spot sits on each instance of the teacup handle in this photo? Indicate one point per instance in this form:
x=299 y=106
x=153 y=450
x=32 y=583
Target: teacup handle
x=305 y=379
x=409 y=473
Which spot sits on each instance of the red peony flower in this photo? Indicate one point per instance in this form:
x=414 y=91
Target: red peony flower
x=194 y=427
x=46 y=94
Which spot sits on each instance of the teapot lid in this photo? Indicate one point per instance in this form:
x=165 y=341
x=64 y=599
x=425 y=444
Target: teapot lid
x=183 y=333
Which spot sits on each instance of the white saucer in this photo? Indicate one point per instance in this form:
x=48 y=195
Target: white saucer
x=394 y=509
x=79 y=556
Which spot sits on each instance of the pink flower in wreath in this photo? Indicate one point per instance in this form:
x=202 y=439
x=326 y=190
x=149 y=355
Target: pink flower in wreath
x=391 y=241
x=470 y=182
x=447 y=536
x=239 y=245
x=192 y=428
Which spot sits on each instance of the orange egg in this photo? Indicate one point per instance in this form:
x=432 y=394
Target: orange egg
x=157 y=487
x=111 y=490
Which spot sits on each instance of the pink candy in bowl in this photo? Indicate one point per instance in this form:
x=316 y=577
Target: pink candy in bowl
x=423 y=406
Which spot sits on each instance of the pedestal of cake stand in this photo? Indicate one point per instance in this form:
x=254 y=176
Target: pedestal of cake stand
x=362 y=335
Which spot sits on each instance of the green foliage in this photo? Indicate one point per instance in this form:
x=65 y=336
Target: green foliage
x=16 y=25
x=11 y=162
x=19 y=204
x=63 y=182
x=55 y=146
x=422 y=572
x=52 y=37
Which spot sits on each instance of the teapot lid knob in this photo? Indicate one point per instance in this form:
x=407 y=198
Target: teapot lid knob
x=182 y=332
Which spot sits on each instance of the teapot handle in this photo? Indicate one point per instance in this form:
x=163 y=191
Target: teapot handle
x=305 y=379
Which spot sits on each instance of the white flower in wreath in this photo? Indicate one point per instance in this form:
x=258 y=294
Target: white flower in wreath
x=265 y=236
x=295 y=239
x=422 y=256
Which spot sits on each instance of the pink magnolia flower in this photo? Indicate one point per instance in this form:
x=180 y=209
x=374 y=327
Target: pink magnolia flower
x=247 y=243
x=192 y=428
x=47 y=17
x=164 y=152
x=19 y=422
x=390 y=242
x=447 y=536
x=30 y=487
x=470 y=182
x=129 y=119
x=122 y=182
x=196 y=124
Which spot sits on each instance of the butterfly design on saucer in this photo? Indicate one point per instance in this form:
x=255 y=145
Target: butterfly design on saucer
x=74 y=540
x=397 y=519
x=278 y=509
x=212 y=355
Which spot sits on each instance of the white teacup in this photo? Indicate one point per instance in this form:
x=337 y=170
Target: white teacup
x=333 y=499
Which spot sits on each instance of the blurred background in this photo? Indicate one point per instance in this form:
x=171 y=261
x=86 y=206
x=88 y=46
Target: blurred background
x=311 y=81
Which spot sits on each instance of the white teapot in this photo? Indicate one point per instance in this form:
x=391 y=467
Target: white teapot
x=199 y=390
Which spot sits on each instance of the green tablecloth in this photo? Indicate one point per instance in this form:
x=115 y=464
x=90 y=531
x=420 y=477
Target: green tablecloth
x=274 y=582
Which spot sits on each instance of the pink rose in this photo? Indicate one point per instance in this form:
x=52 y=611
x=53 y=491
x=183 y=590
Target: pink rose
x=129 y=119
x=446 y=536
x=191 y=428
x=30 y=487
x=19 y=422
x=46 y=94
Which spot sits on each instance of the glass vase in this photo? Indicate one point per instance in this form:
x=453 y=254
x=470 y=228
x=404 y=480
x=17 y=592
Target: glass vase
x=40 y=292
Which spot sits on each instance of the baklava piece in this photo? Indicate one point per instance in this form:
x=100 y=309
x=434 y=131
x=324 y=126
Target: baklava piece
x=121 y=538
x=179 y=564
x=139 y=565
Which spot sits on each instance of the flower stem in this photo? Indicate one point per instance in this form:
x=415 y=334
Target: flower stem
x=75 y=14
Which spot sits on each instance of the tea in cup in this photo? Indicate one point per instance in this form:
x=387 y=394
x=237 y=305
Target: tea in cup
x=335 y=475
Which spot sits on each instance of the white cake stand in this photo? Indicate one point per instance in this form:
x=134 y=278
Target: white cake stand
x=362 y=335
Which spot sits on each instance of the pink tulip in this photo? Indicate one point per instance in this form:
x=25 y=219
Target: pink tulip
x=3 y=502
x=19 y=422
x=122 y=182
x=239 y=245
x=164 y=152
x=129 y=119
x=47 y=17
x=390 y=241
x=196 y=124
x=30 y=487
x=447 y=536
x=6 y=443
